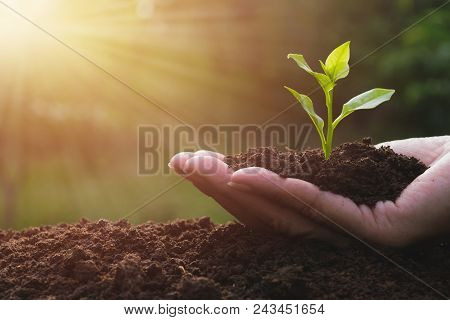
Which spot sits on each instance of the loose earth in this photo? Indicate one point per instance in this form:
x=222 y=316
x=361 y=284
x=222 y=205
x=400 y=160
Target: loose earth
x=357 y=170
x=196 y=259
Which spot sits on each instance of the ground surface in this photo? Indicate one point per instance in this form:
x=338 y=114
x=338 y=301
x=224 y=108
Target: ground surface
x=355 y=170
x=199 y=260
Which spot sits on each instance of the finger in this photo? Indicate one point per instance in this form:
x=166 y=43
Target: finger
x=208 y=173
x=178 y=161
x=427 y=193
x=319 y=205
x=211 y=176
x=209 y=153
x=427 y=150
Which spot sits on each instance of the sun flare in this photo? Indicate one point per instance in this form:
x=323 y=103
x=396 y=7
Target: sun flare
x=15 y=31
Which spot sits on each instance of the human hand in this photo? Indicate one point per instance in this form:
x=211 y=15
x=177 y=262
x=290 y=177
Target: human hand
x=263 y=199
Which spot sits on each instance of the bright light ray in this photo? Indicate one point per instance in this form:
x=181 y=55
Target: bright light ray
x=184 y=54
x=116 y=36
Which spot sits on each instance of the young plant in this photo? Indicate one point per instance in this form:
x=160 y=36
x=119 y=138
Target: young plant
x=335 y=68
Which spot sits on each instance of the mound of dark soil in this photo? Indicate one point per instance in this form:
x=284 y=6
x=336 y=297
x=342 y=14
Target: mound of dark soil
x=200 y=260
x=355 y=170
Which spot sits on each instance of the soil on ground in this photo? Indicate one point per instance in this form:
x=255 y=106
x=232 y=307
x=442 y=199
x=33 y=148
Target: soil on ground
x=196 y=259
x=355 y=170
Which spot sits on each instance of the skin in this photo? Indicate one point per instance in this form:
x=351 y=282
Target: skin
x=263 y=200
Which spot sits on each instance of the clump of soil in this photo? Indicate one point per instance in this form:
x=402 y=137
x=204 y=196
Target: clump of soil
x=196 y=259
x=355 y=170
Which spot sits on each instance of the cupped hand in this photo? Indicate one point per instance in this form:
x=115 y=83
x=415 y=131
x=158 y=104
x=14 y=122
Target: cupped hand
x=264 y=200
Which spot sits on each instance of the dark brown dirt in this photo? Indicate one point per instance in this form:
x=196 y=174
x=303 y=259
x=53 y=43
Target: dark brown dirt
x=355 y=170
x=200 y=260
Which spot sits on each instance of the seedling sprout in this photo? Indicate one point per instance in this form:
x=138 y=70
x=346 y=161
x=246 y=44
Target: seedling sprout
x=335 y=68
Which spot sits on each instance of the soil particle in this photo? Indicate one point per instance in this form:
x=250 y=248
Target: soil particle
x=217 y=262
x=199 y=288
x=358 y=171
x=285 y=283
x=85 y=270
x=128 y=273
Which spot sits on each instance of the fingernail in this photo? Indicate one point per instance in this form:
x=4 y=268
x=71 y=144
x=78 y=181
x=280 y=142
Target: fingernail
x=239 y=186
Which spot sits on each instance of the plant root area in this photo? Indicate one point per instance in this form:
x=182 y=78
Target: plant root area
x=196 y=259
x=356 y=170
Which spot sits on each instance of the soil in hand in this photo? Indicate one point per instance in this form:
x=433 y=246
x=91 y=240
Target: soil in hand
x=199 y=260
x=355 y=170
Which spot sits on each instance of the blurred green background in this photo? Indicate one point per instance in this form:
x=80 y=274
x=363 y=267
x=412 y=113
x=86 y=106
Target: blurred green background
x=68 y=129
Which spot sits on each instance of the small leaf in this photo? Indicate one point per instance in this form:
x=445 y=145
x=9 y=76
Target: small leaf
x=324 y=68
x=300 y=60
x=323 y=80
x=367 y=100
x=337 y=62
x=307 y=105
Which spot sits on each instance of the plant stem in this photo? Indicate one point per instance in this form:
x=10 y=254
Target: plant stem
x=329 y=103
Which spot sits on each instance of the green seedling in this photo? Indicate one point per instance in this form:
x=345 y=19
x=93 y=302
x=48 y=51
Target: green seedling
x=335 y=68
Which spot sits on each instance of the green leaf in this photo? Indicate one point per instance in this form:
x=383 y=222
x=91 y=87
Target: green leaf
x=323 y=80
x=324 y=68
x=367 y=100
x=307 y=105
x=300 y=60
x=336 y=64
